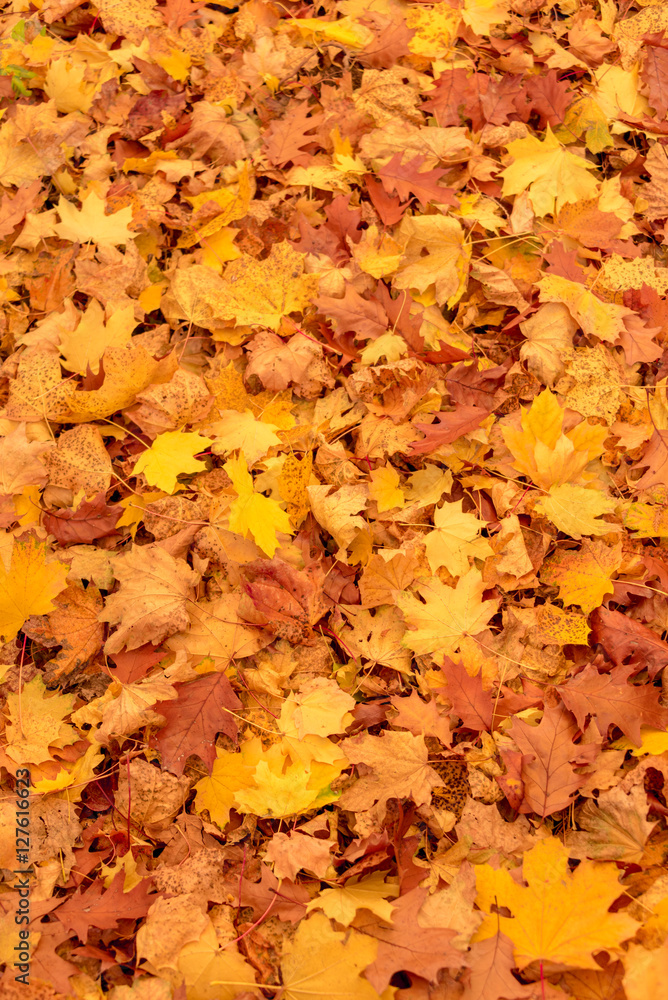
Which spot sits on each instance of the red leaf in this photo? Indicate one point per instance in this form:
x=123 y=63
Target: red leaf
x=550 y=97
x=103 y=909
x=473 y=705
x=450 y=426
x=367 y=319
x=92 y=519
x=622 y=637
x=549 y=756
x=407 y=947
x=491 y=977
x=194 y=719
x=389 y=208
x=178 y=12
x=612 y=701
x=284 y=139
x=406 y=180
x=131 y=665
x=655 y=72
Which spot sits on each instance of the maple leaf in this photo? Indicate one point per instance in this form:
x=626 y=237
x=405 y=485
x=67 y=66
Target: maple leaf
x=400 y=768
x=405 y=179
x=230 y=773
x=541 y=449
x=470 y=701
x=552 y=175
x=73 y=625
x=36 y=721
x=92 y=223
x=548 y=761
x=490 y=977
x=623 y=637
x=558 y=916
x=343 y=902
x=447 y=614
x=284 y=139
x=253 y=513
x=455 y=539
x=95 y=908
x=576 y=510
x=192 y=721
x=445 y=263
x=152 y=602
x=408 y=947
x=327 y=962
x=365 y=317
x=612 y=701
x=613 y=827
x=179 y=12
x=172 y=454
x=92 y=519
x=449 y=427
x=30 y=585
x=583 y=575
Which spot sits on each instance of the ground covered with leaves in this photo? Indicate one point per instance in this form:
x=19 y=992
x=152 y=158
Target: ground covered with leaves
x=334 y=461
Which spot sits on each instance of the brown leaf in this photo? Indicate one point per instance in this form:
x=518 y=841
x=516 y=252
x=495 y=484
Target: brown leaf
x=92 y=519
x=407 y=947
x=194 y=719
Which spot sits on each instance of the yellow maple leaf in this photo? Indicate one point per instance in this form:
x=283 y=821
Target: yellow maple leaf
x=543 y=452
x=320 y=708
x=445 y=264
x=551 y=174
x=385 y=489
x=84 y=347
x=172 y=454
x=558 y=916
x=584 y=576
x=447 y=614
x=576 y=510
x=36 y=723
x=278 y=790
x=250 y=292
x=455 y=538
x=30 y=585
x=212 y=972
x=604 y=320
x=342 y=902
x=252 y=513
x=231 y=773
x=320 y=963
x=236 y=430
x=92 y=224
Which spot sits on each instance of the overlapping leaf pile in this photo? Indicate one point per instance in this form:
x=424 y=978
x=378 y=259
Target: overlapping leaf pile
x=334 y=497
